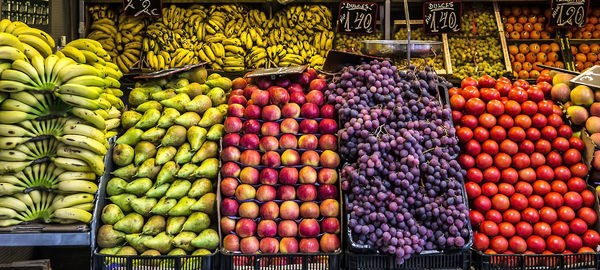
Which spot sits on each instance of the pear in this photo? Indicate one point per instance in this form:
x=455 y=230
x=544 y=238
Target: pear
x=210 y=117
x=186 y=171
x=176 y=136
x=143 y=205
x=122 y=155
x=149 y=119
x=196 y=262
x=199 y=104
x=168 y=117
x=153 y=134
x=194 y=90
x=223 y=109
x=125 y=172
x=177 y=102
x=181 y=82
x=154 y=225
x=177 y=251
x=188 y=119
x=216 y=132
x=123 y=201
x=209 y=168
x=222 y=82
x=178 y=189
x=111 y=213
x=137 y=96
x=184 y=241
x=131 y=137
x=182 y=208
x=165 y=154
x=109 y=251
x=126 y=251
x=209 y=149
x=148 y=169
x=163 y=206
x=129 y=119
x=184 y=154
x=213 y=76
x=160 y=242
x=200 y=187
x=175 y=225
x=151 y=252
x=164 y=94
x=206 y=204
x=152 y=86
x=207 y=239
x=139 y=186
x=115 y=186
x=205 y=88
x=108 y=237
x=158 y=191
x=197 y=222
x=197 y=75
x=131 y=223
x=167 y=173
x=582 y=95
x=196 y=136
x=217 y=96
x=136 y=240
x=143 y=151
x=152 y=104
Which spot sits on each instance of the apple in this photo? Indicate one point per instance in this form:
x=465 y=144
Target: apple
x=270 y=129
x=288 y=176
x=245 y=227
x=309 y=126
x=268 y=143
x=271 y=159
x=309 y=245
x=232 y=124
x=231 y=153
x=231 y=242
x=249 y=89
x=228 y=186
x=268 y=176
x=289 y=210
x=330 y=225
x=298 y=98
x=263 y=82
x=308 y=141
x=309 y=110
x=327 y=111
x=269 y=210
x=330 y=208
x=290 y=157
x=317 y=84
x=251 y=126
x=286 y=192
x=289 y=126
x=288 y=141
x=230 y=169
x=295 y=87
x=310 y=158
x=250 y=157
x=290 y=110
x=249 y=175
x=232 y=139
x=252 y=112
x=315 y=97
x=248 y=210
x=327 y=192
x=227 y=224
x=250 y=141
x=249 y=245
x=266 y=193
x=236 y=99
x=235 y=110
x=328 y=126
x=245 y=192
x=269 y=245
x=279 y=96
x=287 y=228
x=329 y=159
x=266 y=228
x=271 y=113
x=229 y=207
x=329 y=242
x=328 y=142
x=309 y=210
x=288 y=245
x=309 y=228
x=327 y=176
x=307 y=175
x=238 y=83
x=260 y=97
x=307 y=192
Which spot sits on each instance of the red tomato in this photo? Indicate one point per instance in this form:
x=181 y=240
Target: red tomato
x=486 y=81
x=555 y=120
x=518 y=201
x=556 y=110
x=555 y=244
x=506 y=229
x=512 y=108
x=516 y=134
x=490 y=147
x=469 y=121
x=536 y=244
x=494 y=216
x=457 y=102
x=573 y=242
x=544 y=83
x=509 y=147
x=520 y=161
x=530 y=215
x=468 y=81
x=453 y=91
x=470 y=92
x=529 y=107
x=588 y=198
x=502 y=161
x=506 y=121
x=578 y=170
x=562 y=173
x=553 y=199
x=535 y=95
x=533 y=134
x=491 y=174
x=503 y=88
x=549 y=133
x=489 y=94
x=487 y=120
x=554 y=159
x=506 y=189
x=482 y=204
x=473 y=190
x=542 y=229
x=481 y=134
x=495 y=107
x=474 y=106
x=517 y=244
x=517 y=94
x=511 y=215
x=545 y=107
x=537 y=159
x=578 y=226
x=576 y=143
x=527 y=174
x=565 y=213
x=576 y=184
x=543 y=146
x=524 y=188
x=571 y=156
x=538 y=120
x=591 y=238
x=509 y=175
x=457 y=116
x=475 y=175
x=484 y=160
x=481 y=241
x=489 y=190
x=523 y=84
x=588 y=215
x=559 y=187
x=464 y=134
x=565 y=131
x=548 y=215
x=466 y=161
x=472 y=148
x=541 y=187
x=560 y=144
x=500 y=202
x=476 y=218
x=523 y=121
x=560 y=228
x=544 y=172
x=499 y=244
x=536 y=201
x=497 y=133
x=524 y=229
x=526 y=147
x=489 y=228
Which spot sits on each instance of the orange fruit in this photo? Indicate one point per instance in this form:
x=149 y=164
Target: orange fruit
x=559 y=64
x=534 y=74
x=586 y=35
x=545 y=72
x=547 y=12
x=550 y=64
x=589 y=27
x=596 y=12
x=523 y=74
x=535 y=10
x=513 y=49
x=536 y=67
x=527 y=66
x=507 y=34
x=579 y=66
x=520 y=57
x=554 y=47
x=528 y=27
x=535 y=35
x=532 y=19
x=516 y=66
x=530 y=57
x=538 y=26
x=584 y=48
x=596 y=34
x=505 y=11
x=542 y=57
x=578 y=35
x=518 y=27
x=524 y=35
x=523 y=48
x=593 y=20
x=526 y=10
x=580 y=57
x=570 y=34
x=515 y=35
x=545 y=48
x=522 y=19
x=595 y=48
x=587 y=64
x=545 y=35
x=597 y=26
x=552 y=56
x=534 y=47
x=511 y=20
x=541 y=19
x=573 y=50
x=516 y=11
x=508 y=27
x=512 y=58
x=592 y=57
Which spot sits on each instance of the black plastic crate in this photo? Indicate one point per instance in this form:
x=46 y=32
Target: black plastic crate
x=189 y=262
x=280 y=261
x=536 y=261
x=450 y=260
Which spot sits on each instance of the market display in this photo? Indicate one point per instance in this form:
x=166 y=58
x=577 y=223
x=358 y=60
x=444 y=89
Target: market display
x=418 y=34
x=591 y=30
x=162 y=193
x=525 y=176
x=585 y=55
x=279 y=180
x=526 y=57
x=352 y=43
x=524 y=22
x=54 y=117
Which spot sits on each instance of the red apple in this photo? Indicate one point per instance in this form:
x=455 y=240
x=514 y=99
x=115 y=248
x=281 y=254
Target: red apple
x=327 y=176
x=269 y=210
x=309 y=245
x=309 y=110
x=288 y=176
x=287 y=228
x=315 y=97
x=271 y=113
x=237 y=99
x=308 y=141
x=250 y=157
x=328 y=126
x=266 y=193
x=318 y=84
x=327 y=192
x=269 y=245
x=229 y=207
x=288 y=245
x=309 y=210
x=249 y=175
x=260 y=97
x=330 y=225
x=250 y=141
x=235 y=110
x=268 y=143
x=330 y=208
x=231 y=153
x=290 y=158
x=289 y=125
x=286 y=192
x=328 y=142
x=310 y=158
x=289 y=210
x=288 y=141
x=230 y=169
x=252 y=112
x=329 y=242
x=248 y=210
x=270 y=129
x=298 y=98
x=279 y=96
x=268 y=176
x=309 y=126
x=232 y=139
x=328 y=111
x=249 y=89
x=231 y=242
x=227 y=225
x=245 y=192
x=266 y=228
x=295 y=87
x=307 y=175
x=251 y=126
x=249 y=245
x=228 y=186
x=271 y=159
x=245 y=227
x=232 y=124
x=290 y=110
x=307 y=192
x=309 y=228
x=330 y=159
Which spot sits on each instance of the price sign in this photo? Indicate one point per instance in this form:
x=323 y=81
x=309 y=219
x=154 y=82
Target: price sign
x=442 y=16
x=590 y=77
x=568 y=13
x=142 y=8
x=357 y=17
x=276 y=71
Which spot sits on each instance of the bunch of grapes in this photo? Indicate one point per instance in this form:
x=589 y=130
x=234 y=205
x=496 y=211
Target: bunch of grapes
x=403 y=184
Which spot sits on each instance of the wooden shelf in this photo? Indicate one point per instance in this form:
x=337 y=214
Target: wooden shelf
x=516 y=41
x=579 y=41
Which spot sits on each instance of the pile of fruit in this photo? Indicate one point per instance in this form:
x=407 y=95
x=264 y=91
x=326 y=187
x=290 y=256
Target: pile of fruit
x=417 y=33
x=586 y=55
x=54 y=113
x=352 y=43
x=524 y=170
x=477 y=50
x=523 y=22
x=162 y=194
x=526 y=57
x=591 y=30
x=403 y=183
x=279 y=180
x=121 y=36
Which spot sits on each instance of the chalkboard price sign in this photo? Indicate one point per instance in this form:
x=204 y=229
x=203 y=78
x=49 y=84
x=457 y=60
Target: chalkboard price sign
x=142 y=8
x=590 y=77
x=442 y=16
x=357 y=17
x=568 y=13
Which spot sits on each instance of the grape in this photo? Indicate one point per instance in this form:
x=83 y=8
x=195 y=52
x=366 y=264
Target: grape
x=403 y=185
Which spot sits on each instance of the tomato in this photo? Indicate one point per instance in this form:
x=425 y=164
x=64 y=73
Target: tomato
x=548 y=215
x=489 y=228
x=491 y=174
x=533 y=134
x=524 y=229
x=512 y=108
x=560 y=228
x=469 y=121
x=543 y=146
x=481 y=134
x=487 y=120
x=559 y=187
x=472 y=148
x=464 y=134
x=481 y=241
x=537 y=159
x=526 y=147
x=562 y=173
x=453 y=91
x=529 y=107
x=468 y=81
x=588 y=198
x=466 y=161
x=489 y=189
x=576 y=143
x=499 y=244
x=517 y=244
x=527 y=174
x=555 y=244
x=586 y=250
x=523 y=121
x=535 y=95
x=482 y=203
x=502 y=161
x=578 y=226
x=565 y=213
x=500 y=202
x=544 y=172
x=506 y=121
x=588 y=215
x=530 y=215
x=506 y=229
x=506 y=189
x=509 y=175
x=511 y=215
x=560 y=144
x=555 y=120
x=475 y=106
x=538 y=120
x=490 y=147
x=557 y=110
x=497 y=133
x=536 y=201
x=516 y=134
x=565 y=131
x=475 y=175
x=591 y=238
x=549 y=133
x=495 y=107
x=545 y=107
x=542 y=229
x=476 y=218
x=573 y=242
x=571 y=156
x=518 y=201
x=473 y=190
x=553 y=199
x=494 y=216
x=470 y=92
x=520 y=161
x=545 y=85
x=457 y=102
x=523 y=84
x=536 y=244
x=554 y=159
x=578 y=170
x=541 y=187
x=486 y=81
x=576 y=184
x=517 y=94
x=484 y=160
x=489 y=94
x=509 y=147
x=457 y=116
x=502 y=88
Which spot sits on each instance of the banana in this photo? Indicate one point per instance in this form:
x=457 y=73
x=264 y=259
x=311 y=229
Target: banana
x=70 y=200
x=3 y=24
x=113 y=123
x=65 y=176
x=13 y=117
x=18 y=76
x=76 y=70
x=84 y=142
x=10 y=40
x=77 y=186
x=37 y=33
x=79 y=101
x=85 y=44
x=74 y=53
x=70 y=164
x=28 y=69
x=16 y=105
x=88 y=207
x=90 y=92
x=13 y=203
x=73 y=214
x=94 y=161
x=8 y=213
x=12 y=167
x=88 y=80
x=12 y=130
x=85 y=114
x=59 y=65
x=39 y=44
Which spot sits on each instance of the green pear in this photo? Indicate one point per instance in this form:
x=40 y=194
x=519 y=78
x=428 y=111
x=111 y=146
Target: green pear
x=137 y=96
x=176 y=136
x=168 y=117
x=152 y=104
x=150 y=252
x=160 y=242
x=163 y=206
x=167 y=173
x=177 y=102
x=177 y=83
x=143 y=205
x=207 y=239
x=109 y=251
x=196 y=262
x=148 y=169
x=115 y=186
x=178 y=189
x=164 y=94
x=206 y=204
x=209 y=168
x=123 y=201
x=129 y=119
x=197 y=222
x=125 y=172
x=136 y=240
x=188 y=119
x=213 y=76
x=210 y=117
x=153 y=135
x=126 y=251
x=193 y=90
x=182 y=208
x=122 y=155
x=209 y=149
x=186 y=171
x=197 y=75
x=205 y=88
x=184 y=154
x=221 y=82
x=184 y=241
x=131 y=223
x=223 y=109
x=149 y=119
x=108 y=237
x=216 y=132
x=143 y=151
x=131 y=137
x=177 y=251
x=154 y=225
x=217 y=96
x=196 y=136
x=158 y=191
x=200 y=187
x=175 y=225
x=165 y=154
x=199 y=104
x=111 y=213
x=139 y=186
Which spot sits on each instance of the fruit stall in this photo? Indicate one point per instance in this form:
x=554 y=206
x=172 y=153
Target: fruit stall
x=304 y=135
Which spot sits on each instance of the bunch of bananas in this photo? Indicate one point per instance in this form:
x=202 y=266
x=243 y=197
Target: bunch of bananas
x=352 y=43
x=162 y=193
x=52 y=109
x=104 y=28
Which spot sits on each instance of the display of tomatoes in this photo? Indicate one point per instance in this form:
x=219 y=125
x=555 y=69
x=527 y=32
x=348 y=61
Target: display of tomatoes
x=524 y=169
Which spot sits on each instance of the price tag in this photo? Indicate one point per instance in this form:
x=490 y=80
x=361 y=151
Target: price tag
x=590 y=77
x=568 y=13
x=142 y=8
x=357 y=17
x=442 y=16
x=276 y=71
